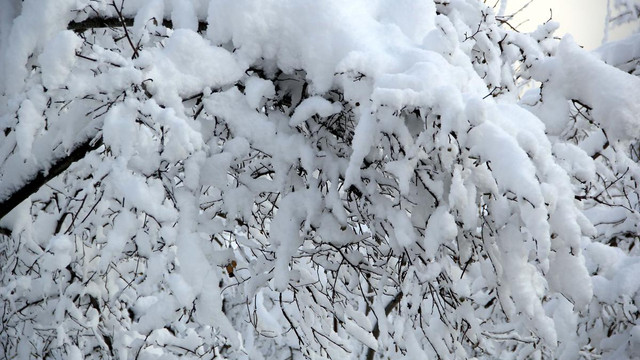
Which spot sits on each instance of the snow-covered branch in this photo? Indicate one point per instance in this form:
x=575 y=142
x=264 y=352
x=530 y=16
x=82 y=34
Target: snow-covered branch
x=313 y=180
x=57 y=167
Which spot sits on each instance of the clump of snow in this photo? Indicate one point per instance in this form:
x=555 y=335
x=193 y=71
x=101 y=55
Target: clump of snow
x=30 y=122
x=403 y=171
x=441 y=229
x=491 y=143
x=183 y=15
x=36 y=25
x=579 y=285
x=312 y=106
x=58 y=57
x=362 y=142
x=61 y=249
x=575 y=74
x=257 y=31
x=256 y=89
x=285 y=230
x=188 y=63
x=119 y=129
x=415 y=19
x=575 y=161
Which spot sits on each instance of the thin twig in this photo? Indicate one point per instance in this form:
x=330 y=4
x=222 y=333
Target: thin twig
x=124 y=26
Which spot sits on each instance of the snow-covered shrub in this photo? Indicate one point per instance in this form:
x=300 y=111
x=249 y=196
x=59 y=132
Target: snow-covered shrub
x=292 y=179
x=623 y=12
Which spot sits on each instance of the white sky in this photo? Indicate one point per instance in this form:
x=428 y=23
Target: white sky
x=584 y=19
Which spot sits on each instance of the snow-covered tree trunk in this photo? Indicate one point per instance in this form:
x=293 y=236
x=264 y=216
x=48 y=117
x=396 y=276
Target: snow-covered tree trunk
x=325 y=180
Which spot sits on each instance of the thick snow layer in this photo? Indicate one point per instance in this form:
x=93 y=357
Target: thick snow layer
x=331 y=33
x=30 y=122
x=256 y=89
x=32 y=30
x=186 y=65
x=576 y=161
x=314 y=105
x=575 y=74
x=58 y=57
x=183 y=15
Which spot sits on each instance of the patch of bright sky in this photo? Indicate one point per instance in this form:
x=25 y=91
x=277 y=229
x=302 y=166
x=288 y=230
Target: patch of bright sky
x=584 y=19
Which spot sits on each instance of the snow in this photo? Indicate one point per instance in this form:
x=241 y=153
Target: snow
x=493 y=144
x=285 y=228
x=186 y=64
x=578 y=287
x=266 y=322
x=576 y=161
x=183 y=15
x=256 y=89
x=213 y=173
x=415 y=20
x=58 y=57
x=119 y=129
x=610 y=93
x=462 y=195
x=316 y=179
x=362 y=335
x=363 y=140
x=145 y=195
x=403 y=171
x=25 y=38
x=144 y=23
x=620 y=53
x=441 y=229
x=61 y=248
x=402 y=228
x=314 y=105
x=615 y=272
x=30 y=122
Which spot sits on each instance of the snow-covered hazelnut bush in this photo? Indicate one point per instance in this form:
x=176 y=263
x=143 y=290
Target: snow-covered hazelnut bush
x=261 y=179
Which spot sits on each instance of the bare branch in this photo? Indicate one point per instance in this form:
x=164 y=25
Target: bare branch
x=115 y=22
x=387 y=310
